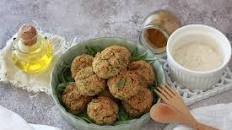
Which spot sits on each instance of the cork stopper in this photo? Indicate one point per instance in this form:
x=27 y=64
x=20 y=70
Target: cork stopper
x=28 y=35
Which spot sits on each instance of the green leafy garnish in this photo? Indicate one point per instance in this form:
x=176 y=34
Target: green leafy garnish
x=152 y=87
x=84 y=117
x=93 y=50
x=122 y=115
x=61 y=87
x=135 y=56
x=139 y=57
x=65 y=74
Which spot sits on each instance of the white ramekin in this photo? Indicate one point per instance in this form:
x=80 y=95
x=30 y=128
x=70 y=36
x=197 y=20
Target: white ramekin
x=197 y=79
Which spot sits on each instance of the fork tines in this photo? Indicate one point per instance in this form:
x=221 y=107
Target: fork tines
x=165 y=92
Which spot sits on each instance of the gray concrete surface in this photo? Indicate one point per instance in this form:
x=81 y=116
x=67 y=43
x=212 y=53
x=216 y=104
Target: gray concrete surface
x=88 y=19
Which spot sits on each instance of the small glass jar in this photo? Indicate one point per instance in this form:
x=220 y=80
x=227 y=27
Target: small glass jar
x=156 y=30
x=31 y=52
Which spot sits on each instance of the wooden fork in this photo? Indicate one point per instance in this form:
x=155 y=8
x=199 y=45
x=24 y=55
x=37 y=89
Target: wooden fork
x=172 y=98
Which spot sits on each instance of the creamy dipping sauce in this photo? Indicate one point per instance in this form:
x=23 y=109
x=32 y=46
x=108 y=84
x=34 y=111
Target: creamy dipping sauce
x=198 y=56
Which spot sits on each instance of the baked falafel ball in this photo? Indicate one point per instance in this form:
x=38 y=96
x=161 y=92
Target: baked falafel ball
x=143 y=69
x=73 y=100
x=89 y=83
x=103 y=110
x=139 y=104
x=124 y=85
x=111 y=61
x=80 y=62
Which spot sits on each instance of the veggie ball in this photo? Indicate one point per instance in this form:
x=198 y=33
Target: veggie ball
x=73 y=101
x=89 y=83
x=80 y=62
x=139 y=104
x=103 y=110
x=111 y=61
x=143 y=69
x=124 y=85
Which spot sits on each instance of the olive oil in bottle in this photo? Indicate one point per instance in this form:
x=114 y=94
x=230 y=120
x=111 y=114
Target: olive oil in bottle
x=31 y=52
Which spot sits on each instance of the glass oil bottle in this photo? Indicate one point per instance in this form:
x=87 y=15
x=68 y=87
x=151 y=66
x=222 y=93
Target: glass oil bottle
x=31 y=52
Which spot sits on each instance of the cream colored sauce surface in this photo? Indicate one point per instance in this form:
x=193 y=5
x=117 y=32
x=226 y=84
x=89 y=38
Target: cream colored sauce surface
x=198 y=56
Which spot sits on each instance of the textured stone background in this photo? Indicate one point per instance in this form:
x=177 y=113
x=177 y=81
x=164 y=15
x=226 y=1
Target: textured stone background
x=88 y=19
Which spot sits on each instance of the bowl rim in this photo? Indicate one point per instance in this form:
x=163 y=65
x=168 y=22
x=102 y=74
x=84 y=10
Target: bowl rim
x=64 y=111
x=194 y=26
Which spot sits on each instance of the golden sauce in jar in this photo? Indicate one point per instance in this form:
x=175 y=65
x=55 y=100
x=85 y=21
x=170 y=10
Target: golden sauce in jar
x=155 y=38
x=157 y=27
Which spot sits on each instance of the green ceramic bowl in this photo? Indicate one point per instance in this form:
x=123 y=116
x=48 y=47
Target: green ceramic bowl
x=80 y=48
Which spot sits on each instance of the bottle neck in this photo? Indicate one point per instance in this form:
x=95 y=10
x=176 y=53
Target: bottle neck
x=25 y=48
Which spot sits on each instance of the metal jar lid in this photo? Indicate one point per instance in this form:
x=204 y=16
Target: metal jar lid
x=163 y=22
